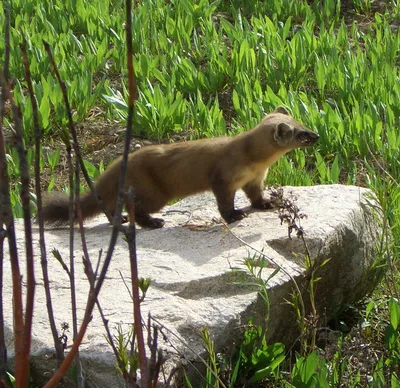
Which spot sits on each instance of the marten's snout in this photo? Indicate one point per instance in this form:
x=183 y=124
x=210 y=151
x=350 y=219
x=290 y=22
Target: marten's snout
x=307 y=138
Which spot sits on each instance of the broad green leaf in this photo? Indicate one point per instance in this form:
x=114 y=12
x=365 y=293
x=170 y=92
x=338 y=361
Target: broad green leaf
x=335 y=170
x=44 y=110
x=117 y=101
x=286 y=28
x=235 y=100
x=310 y=366
x=321 y=166
x=91 y=169
x=394 y=311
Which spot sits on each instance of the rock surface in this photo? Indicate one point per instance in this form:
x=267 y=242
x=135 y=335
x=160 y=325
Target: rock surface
x=199 y=277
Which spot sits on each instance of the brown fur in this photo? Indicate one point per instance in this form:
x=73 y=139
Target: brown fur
x=161 y=173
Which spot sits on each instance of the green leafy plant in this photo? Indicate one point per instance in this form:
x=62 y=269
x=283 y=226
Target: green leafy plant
x=92 y=170
x=257 y=361
x=392 y=333
x=310 y=371
x=127 y=354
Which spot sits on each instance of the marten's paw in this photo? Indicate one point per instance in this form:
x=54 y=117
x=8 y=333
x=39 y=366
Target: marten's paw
x=262 y=204
x=149 y=222
x=234 y=215
x=156 y=223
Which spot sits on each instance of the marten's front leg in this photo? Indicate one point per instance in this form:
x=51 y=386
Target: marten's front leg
x=149 y=198
x=225 y=199
x=254 y=192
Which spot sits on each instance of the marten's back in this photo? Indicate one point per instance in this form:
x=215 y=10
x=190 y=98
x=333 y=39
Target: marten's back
x=178 y=169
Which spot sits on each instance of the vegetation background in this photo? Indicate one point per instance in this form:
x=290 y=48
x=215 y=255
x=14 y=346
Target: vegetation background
x=211 y=68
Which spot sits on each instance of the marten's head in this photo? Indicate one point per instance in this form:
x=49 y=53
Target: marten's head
x=288 y=133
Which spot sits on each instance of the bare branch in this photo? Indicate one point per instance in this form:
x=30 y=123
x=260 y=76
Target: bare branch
x=131 y=240
x=21 y=361
x=92 y=278
x=43 y=255
x=71 y=170
x=114 y=235
x=130 y=232
x=4 y=186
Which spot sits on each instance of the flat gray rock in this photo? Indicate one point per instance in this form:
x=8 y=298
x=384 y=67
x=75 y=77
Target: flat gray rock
x=198 y=274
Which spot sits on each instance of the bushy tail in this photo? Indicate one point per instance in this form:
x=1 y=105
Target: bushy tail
x=55 y=210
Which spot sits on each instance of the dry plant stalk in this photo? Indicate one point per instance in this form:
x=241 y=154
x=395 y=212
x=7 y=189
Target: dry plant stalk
x=71 y=170
x=130 y=232
x=43 y=257
x=147 y=379
x=22 y=370
x=91 y=276
x=58 y=375
x=4 y=194
x=22 y=328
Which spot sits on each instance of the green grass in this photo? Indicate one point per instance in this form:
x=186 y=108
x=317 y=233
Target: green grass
x=211 y=66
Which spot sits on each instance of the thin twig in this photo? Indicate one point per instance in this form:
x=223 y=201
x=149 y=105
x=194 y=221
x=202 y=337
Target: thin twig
x=130 y=232
x=21 y=360
x=131 y=240
x=3 y=349
x=156 y=358
x=88 y=313
x=125 y=284
x=113 y=239
x=116 y=221
x=72 y=195
x=98 y=262
x=4 y=189
x=30 y=273
x=91 y=276
x=58 y=257
x=25 y=199
x=43 y=256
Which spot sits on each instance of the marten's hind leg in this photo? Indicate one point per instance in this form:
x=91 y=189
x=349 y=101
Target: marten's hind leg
x=146 y=220
x=142 y=217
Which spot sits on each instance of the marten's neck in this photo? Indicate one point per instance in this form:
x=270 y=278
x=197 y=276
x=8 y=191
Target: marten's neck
x=258 y=146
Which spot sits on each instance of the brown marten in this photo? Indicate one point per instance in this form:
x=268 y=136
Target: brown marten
x=161 y=173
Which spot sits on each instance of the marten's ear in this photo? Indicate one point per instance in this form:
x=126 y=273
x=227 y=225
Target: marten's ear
x=283 y=134
x=281 y=109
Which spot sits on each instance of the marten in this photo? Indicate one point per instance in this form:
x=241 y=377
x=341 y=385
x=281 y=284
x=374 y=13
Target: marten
x=161 y=173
